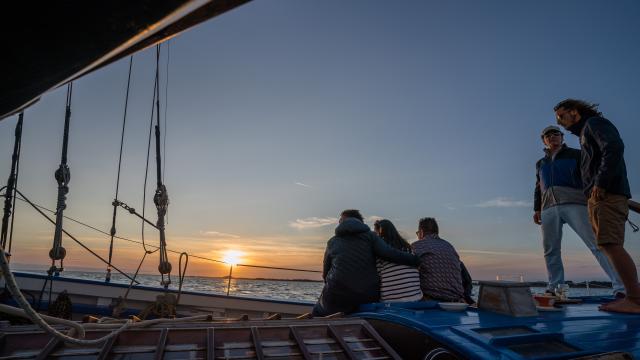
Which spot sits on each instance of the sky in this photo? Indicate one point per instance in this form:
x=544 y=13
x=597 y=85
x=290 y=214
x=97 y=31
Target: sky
x=280 y=114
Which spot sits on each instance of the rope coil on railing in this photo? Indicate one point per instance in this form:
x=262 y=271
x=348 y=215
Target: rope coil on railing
x=39 y=320
x=76 y=329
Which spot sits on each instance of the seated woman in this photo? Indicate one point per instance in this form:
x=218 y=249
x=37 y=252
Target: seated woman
x=349 y=266
x=397 y=282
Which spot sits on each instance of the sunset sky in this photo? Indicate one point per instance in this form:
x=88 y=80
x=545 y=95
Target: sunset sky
x=280 y=114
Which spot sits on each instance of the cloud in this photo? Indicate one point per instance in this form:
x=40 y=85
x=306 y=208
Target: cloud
x=313 y=222
x=374 y=218
x=219 y=235
x=503 y=202
x=303 y=185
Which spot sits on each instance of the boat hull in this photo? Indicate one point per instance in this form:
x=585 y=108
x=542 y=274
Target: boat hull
x=90 y=297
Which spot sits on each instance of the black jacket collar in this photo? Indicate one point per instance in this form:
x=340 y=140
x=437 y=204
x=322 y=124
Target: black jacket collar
x=576 y=129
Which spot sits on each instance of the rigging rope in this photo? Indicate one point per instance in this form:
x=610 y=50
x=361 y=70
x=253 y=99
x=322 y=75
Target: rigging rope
x=166 y=105
x=37 y=208
x=181 y=273
x=13 y=210
x=132 y=211
x=115 y=206
x=157 y=247
x=62 y=176
x=146 y=168
x=117 y=309
x=10 y=193
x=161 y=197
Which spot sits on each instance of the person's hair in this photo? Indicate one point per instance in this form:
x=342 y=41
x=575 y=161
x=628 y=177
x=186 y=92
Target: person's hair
x=352 y=213
x=428 y=225
x=390 y=235
x=585 y=109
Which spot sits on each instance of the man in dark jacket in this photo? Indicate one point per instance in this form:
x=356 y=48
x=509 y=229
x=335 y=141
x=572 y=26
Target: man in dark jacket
x=441 y=271
x=349 y=271
x=559 y=200
x=605 y=183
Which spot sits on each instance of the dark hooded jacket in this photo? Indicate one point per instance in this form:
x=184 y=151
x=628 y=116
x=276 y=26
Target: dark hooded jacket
x=602 y=158
x=349 y=269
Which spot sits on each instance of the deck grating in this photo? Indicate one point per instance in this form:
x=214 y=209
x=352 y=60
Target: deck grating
x=162 y=342
x=51 y=345
x=279 y=339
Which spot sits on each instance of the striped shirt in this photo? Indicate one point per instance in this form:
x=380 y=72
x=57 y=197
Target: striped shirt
x=398 y=282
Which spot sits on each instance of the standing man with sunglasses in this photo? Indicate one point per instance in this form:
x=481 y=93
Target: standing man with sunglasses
x=604 y=178
x=559 y=200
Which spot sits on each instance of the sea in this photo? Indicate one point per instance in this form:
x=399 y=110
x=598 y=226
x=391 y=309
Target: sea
x=294 y=290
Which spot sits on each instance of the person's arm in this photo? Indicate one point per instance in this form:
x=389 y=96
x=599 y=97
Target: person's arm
x=537 y=197
x=576 y=155
x=611 y=147
x=467 y=283
x=326 y=263
x=382 y=250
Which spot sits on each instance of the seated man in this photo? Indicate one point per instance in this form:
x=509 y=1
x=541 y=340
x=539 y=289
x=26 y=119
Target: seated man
x=349 y=271
x=440 y=269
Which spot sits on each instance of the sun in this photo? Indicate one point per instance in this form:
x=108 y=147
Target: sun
x=232 y=257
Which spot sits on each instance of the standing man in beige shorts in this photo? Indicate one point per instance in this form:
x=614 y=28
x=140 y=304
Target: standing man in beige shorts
x=604 y=178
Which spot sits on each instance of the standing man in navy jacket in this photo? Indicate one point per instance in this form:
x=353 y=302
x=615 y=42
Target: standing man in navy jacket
x=559 y=200
x=604 y=179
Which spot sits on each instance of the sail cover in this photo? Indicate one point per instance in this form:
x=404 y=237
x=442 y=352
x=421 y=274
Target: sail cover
x=47 y=44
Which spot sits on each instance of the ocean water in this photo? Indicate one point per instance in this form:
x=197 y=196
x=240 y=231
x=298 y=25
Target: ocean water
x=267 y=289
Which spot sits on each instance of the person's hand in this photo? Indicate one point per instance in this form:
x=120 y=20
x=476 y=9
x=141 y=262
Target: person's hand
x=597 y=193
x=537 y=218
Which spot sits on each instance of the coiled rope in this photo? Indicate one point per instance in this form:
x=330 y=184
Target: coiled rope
x=39 y=320
x=77 y=329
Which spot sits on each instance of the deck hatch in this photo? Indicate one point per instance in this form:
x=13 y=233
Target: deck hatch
x=542 y=348
x=505 y=331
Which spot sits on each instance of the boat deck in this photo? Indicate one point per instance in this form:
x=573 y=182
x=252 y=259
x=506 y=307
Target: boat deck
x=574 y=331
x=258 y=339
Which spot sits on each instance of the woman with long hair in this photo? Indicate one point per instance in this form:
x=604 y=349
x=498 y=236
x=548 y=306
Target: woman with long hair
x=398 y=283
